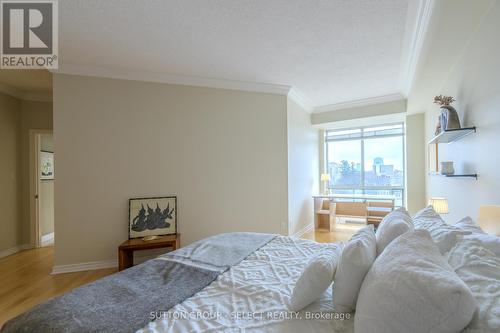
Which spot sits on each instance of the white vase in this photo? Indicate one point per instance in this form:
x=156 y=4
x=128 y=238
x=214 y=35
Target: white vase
x=447 y=168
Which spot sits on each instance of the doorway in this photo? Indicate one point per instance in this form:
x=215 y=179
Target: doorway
x=42 y=178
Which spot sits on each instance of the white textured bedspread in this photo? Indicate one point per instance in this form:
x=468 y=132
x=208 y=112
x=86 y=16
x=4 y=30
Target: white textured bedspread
x=252 y=296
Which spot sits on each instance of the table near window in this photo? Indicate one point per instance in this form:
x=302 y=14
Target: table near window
x=369 y=208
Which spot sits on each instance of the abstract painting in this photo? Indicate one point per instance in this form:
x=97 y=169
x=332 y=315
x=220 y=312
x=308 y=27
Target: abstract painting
x=152 y=216
x=46 y=165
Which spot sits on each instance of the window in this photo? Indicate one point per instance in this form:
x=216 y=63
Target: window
x=368 y=160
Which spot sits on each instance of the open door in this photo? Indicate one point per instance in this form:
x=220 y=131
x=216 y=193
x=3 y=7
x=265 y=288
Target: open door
x=42 y=177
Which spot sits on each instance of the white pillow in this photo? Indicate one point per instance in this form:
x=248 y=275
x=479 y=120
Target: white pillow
x=412 y=288
x=468 y=224
x=444 y=235
x=427 y=217
x=393 y=225
x=479 y=268
x=356 y=259
x=399 y=214
x=315 y=279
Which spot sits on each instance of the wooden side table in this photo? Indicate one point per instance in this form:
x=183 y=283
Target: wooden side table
x=127 y=248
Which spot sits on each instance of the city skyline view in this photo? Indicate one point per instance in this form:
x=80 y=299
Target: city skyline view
x=382 y=172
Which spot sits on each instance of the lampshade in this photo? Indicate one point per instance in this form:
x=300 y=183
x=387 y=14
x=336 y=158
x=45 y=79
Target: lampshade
x=325 y=177
x=440 y=205
x=489 y=219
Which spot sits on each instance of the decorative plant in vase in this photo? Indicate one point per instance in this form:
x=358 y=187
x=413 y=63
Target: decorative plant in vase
x=448 y=119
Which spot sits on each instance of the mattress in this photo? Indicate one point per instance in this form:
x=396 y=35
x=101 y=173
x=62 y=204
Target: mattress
x=252 y=296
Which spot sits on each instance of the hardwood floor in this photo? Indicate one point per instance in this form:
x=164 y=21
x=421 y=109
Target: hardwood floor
x=25 y=278
x=343 y=232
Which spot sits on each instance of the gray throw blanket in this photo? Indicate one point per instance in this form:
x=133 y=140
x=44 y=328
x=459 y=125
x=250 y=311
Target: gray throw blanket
x=125 y=301
x=221 y=251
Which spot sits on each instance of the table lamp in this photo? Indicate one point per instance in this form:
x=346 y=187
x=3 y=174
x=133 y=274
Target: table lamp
x=489 y=219
x=440 y=205
x=325 y=177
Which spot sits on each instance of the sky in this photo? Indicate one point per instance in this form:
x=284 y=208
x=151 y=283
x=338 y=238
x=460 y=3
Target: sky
x=390 y=149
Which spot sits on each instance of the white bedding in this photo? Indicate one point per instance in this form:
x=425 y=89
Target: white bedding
x=479 y=268
x=257 y=289
x=253 y=296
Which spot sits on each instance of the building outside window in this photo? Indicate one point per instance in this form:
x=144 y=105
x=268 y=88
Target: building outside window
x=367 y=160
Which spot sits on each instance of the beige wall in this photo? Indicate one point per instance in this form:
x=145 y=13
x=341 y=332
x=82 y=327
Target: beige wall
x=359 y=112
x=222 y=152
x=303 y=167
x=46 y=194
x=10 y=194
x=475 y=82
x=47 y=142
x=321 y=159
x=46 y=207
x=415 y=162
x=17 y=117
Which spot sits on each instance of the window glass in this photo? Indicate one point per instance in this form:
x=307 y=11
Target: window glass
x=367 y=161
x=344 y=134
x=383 y=130
x=384 y=161
x=344 y=163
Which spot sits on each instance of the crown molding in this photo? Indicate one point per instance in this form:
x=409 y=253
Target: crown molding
x=11 y=91
x=359 y=102
x=37 y=97
x=415 y=46
x=416 y=33
x=295 y=95
x=134 y=75
x=416 y=36
x=25 y=95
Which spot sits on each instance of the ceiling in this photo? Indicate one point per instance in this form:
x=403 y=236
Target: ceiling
x=456 y=23
x=330 y=51
x=20 y=82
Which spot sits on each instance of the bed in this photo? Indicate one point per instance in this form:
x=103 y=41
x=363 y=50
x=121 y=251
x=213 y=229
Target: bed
x=252 y=296
x=238 y=282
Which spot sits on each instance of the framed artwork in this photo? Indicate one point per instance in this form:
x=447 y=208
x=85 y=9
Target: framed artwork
x=152 y=217
x=46 y=165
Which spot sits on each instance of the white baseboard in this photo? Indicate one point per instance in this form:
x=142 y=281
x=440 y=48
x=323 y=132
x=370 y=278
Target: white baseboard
x=47 y=239
x=15 y=249
x=85 y=266
x=304 y=230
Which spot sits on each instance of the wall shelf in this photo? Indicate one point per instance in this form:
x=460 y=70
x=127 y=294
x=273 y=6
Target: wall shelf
x=453 y=135
x=466 y=175
x=470 y=175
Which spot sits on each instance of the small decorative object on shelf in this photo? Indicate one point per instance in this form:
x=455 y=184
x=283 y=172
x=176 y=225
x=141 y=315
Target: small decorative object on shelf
x=447 y=168
x=448 y=119
x=149 y=238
